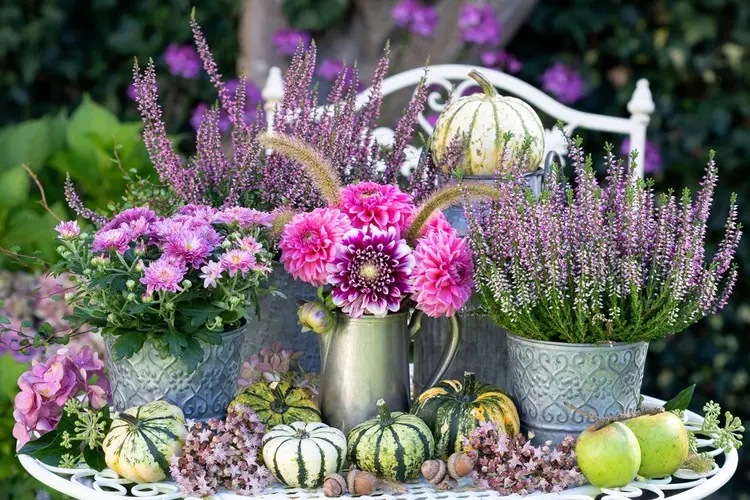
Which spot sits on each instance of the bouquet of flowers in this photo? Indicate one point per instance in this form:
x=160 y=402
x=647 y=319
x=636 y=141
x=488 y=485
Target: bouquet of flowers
x=587 y=263
x=171 y=281
x=376 y=249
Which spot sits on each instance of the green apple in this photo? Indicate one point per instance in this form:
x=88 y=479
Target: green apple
x=608 y=457
x=664 y=443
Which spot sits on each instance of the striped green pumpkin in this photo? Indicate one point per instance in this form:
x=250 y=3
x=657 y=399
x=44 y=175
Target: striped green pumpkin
x=453 y=410
x=391 y=445
x=485 y=119
x=279 y=403
x=301 y=454
x=141 y=441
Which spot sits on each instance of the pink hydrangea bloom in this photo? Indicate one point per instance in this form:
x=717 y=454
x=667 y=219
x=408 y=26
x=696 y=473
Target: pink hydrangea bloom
x=244 y=217
x=68 y=230
x=309 y=241
x=116 y=240
x=443 y=275
x=381 y=205
x=47 y=386
x=371 y=270
x=165 y=273
x=235 y=261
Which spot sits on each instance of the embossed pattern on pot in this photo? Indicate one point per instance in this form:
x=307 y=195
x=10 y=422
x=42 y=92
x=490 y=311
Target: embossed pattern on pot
x=600 y=379
x=203 y=394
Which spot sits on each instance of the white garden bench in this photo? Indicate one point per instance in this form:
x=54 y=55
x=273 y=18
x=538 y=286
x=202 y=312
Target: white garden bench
x=640 y=106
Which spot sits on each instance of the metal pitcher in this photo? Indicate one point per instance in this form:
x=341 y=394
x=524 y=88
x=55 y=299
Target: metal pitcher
x=366 y=359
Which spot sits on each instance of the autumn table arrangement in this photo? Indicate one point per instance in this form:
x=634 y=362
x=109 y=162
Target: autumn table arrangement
x=581 y=274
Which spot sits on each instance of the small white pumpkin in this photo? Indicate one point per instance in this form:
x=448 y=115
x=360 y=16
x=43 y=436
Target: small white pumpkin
x=484 y=118
x=142 y=440
x=301 y=454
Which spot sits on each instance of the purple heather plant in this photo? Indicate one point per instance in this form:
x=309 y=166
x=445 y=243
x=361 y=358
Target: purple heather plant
x=222 y=454
x=564 y=82
x=512 y=465
x=600 y=263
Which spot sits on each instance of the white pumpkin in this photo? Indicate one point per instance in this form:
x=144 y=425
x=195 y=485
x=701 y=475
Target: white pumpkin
x=301 y=454
x=485 y=118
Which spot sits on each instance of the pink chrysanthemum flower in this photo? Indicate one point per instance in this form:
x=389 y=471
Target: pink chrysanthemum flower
x=165 y=273
x=130 y=215
x=188 y=245
x=381 y=205
x=249 y=244
x=68 y=230
x=308 y=243
x=211 y=272
x=111 y=240
x=371 y=271
x=244 y=217
x=136 y=228
x=237 y=261
x=443 y=274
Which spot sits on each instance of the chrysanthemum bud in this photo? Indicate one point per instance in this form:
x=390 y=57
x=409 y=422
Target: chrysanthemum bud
x=111 y=317
x=169 y=306
x=130 y=297
x=186 y=284
x=146 y=298
x=315 y=316
x=70 y=296
x=61 y=249
x=226 y=244
x=130 y=284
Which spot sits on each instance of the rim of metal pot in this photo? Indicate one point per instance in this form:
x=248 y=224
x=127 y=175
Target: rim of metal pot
x=571 y=345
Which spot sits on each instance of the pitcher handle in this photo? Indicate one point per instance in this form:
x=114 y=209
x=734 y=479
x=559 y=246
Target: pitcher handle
x=449 y=351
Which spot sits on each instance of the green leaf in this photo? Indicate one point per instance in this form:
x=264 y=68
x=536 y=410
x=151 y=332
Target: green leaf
x=175 y=342
x=192 y=355
x=127 y=344
x=14 y=186
x=209 y=337
x=27 y=143
x=4 y=320
x=681 y=401
x=94 y=458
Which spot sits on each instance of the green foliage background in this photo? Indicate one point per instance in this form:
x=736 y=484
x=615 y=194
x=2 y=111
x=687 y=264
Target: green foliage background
x=696 y=56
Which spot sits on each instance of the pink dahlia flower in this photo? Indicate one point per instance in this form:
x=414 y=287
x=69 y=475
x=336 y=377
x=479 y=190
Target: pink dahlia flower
x=68 y=230
x=116 y=240
x=436 y=222
x=443 y=274
x=309 y=241
x=165 y=273
x=381 y=205
x=371 y=271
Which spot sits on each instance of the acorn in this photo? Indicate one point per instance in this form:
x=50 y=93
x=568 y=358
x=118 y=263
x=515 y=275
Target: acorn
x=434 y=471
x=361 y=482
x=334 y=485
x=448 y=483
x=460 y=465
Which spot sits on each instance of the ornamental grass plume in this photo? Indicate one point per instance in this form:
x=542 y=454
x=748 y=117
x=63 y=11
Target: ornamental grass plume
x=600 y=263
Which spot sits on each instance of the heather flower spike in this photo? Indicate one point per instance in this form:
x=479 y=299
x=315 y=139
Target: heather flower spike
x=326 y=178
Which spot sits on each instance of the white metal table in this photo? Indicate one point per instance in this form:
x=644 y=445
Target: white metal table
x=86 y=484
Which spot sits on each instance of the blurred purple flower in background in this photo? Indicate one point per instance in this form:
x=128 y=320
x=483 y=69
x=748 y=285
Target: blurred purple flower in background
x=502 y=60
x=653 y=163
x=478 y=24
x=563 y=82
x=330 y=69
x=417 y=17
x=183 y=60
x=286 y=40
x=131 y=91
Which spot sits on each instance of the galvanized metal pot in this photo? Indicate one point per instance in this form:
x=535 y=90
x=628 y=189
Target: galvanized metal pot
x=366 y=359
x=202 y=394
x=602 y=379
x=278 y=320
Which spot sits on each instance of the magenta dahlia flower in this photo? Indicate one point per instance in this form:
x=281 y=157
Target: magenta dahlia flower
x=382 y=205
x=443 y=274
x=309 y=241
x=371 y=271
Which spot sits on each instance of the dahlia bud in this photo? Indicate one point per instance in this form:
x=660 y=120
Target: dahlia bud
x=315 y=316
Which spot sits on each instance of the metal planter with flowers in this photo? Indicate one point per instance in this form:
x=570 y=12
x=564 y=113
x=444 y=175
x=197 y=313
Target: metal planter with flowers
x=584 y=277
x=172 y=297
